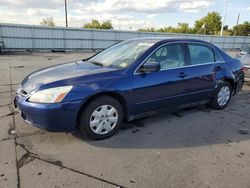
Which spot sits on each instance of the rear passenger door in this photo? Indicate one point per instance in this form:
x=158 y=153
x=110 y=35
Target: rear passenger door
x=204 y=64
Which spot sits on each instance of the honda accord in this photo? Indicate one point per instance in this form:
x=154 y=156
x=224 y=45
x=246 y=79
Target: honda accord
x=129 y=80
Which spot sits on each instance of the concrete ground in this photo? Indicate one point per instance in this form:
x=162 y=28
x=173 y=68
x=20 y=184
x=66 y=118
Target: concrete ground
x=197 y=147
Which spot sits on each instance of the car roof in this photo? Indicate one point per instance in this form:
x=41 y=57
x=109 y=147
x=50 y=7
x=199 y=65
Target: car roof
x=166 y=39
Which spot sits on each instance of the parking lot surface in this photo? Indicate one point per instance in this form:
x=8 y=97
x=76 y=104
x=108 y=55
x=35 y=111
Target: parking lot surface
x=196 y=147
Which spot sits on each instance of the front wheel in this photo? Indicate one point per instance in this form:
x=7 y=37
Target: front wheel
x=101 y=118
x=222 y=96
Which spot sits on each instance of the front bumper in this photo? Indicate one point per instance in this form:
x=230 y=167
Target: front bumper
x=51 y=117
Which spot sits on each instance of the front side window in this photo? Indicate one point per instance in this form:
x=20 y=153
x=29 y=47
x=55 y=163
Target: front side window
x=200 y=54
x=169 y=56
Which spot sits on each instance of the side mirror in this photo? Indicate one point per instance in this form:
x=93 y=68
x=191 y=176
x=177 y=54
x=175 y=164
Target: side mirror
x=150 y=67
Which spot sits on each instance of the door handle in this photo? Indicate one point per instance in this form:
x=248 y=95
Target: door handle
x=182 y=75
x=218 y=68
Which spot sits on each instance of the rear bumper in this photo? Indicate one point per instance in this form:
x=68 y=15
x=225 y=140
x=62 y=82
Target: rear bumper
x=239 y=81
x=51 y=117
x=239 y=85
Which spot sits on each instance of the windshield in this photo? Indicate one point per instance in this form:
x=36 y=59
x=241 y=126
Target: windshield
x=122 y=54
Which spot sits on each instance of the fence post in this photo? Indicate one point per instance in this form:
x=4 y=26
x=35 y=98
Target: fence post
x=1 y=31
x=1 y=39
x=92 y=39
x=245 y=38
x=32 y=39
x=64 y=39
x=224 y=41
x=115 y=36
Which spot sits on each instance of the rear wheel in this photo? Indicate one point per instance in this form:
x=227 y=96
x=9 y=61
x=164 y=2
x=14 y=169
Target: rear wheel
x=222 y=96
x=101 y=118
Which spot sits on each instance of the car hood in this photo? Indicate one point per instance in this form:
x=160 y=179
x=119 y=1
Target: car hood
x=61 y=72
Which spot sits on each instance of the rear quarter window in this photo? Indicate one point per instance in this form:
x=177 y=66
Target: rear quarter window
x=217 y=57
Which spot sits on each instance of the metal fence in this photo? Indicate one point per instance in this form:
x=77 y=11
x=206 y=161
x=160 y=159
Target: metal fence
x=37 y=38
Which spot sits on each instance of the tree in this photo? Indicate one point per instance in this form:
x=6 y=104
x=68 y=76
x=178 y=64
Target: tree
x=212 y=22
x=95 y=24
x=48 y=21
x=242 y=29
x=148 y=30
x=181 y=28
x=184 y=28
x=107 y=25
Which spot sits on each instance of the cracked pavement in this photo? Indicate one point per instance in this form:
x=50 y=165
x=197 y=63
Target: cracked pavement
x=196 y=147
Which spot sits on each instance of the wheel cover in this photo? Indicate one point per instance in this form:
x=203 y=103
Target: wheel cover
x=103 y=119
x=223 y=95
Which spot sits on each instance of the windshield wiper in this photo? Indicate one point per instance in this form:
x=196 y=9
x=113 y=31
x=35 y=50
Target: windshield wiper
x=97 y=63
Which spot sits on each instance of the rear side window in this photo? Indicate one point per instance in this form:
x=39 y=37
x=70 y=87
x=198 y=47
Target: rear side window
x=200 y=54
x=169 y=56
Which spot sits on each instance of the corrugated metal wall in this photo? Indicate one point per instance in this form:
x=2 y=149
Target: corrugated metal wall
x=35 y=38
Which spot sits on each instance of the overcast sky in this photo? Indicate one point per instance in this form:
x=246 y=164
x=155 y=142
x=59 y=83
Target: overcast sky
x=124 y=14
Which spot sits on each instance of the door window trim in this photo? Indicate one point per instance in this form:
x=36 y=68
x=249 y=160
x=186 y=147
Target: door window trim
x=168 y=43
x=185 y=54
x=207 y=44
x=213 y=50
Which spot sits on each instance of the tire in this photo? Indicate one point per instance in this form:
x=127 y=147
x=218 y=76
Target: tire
x=101 y=118
x=222 y=96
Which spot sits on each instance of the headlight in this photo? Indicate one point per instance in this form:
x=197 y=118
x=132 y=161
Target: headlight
x=52 y=95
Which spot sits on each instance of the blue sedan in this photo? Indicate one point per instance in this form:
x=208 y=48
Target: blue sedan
x=129 y=80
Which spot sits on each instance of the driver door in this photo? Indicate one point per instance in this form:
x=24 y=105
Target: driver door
x=164 y=88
